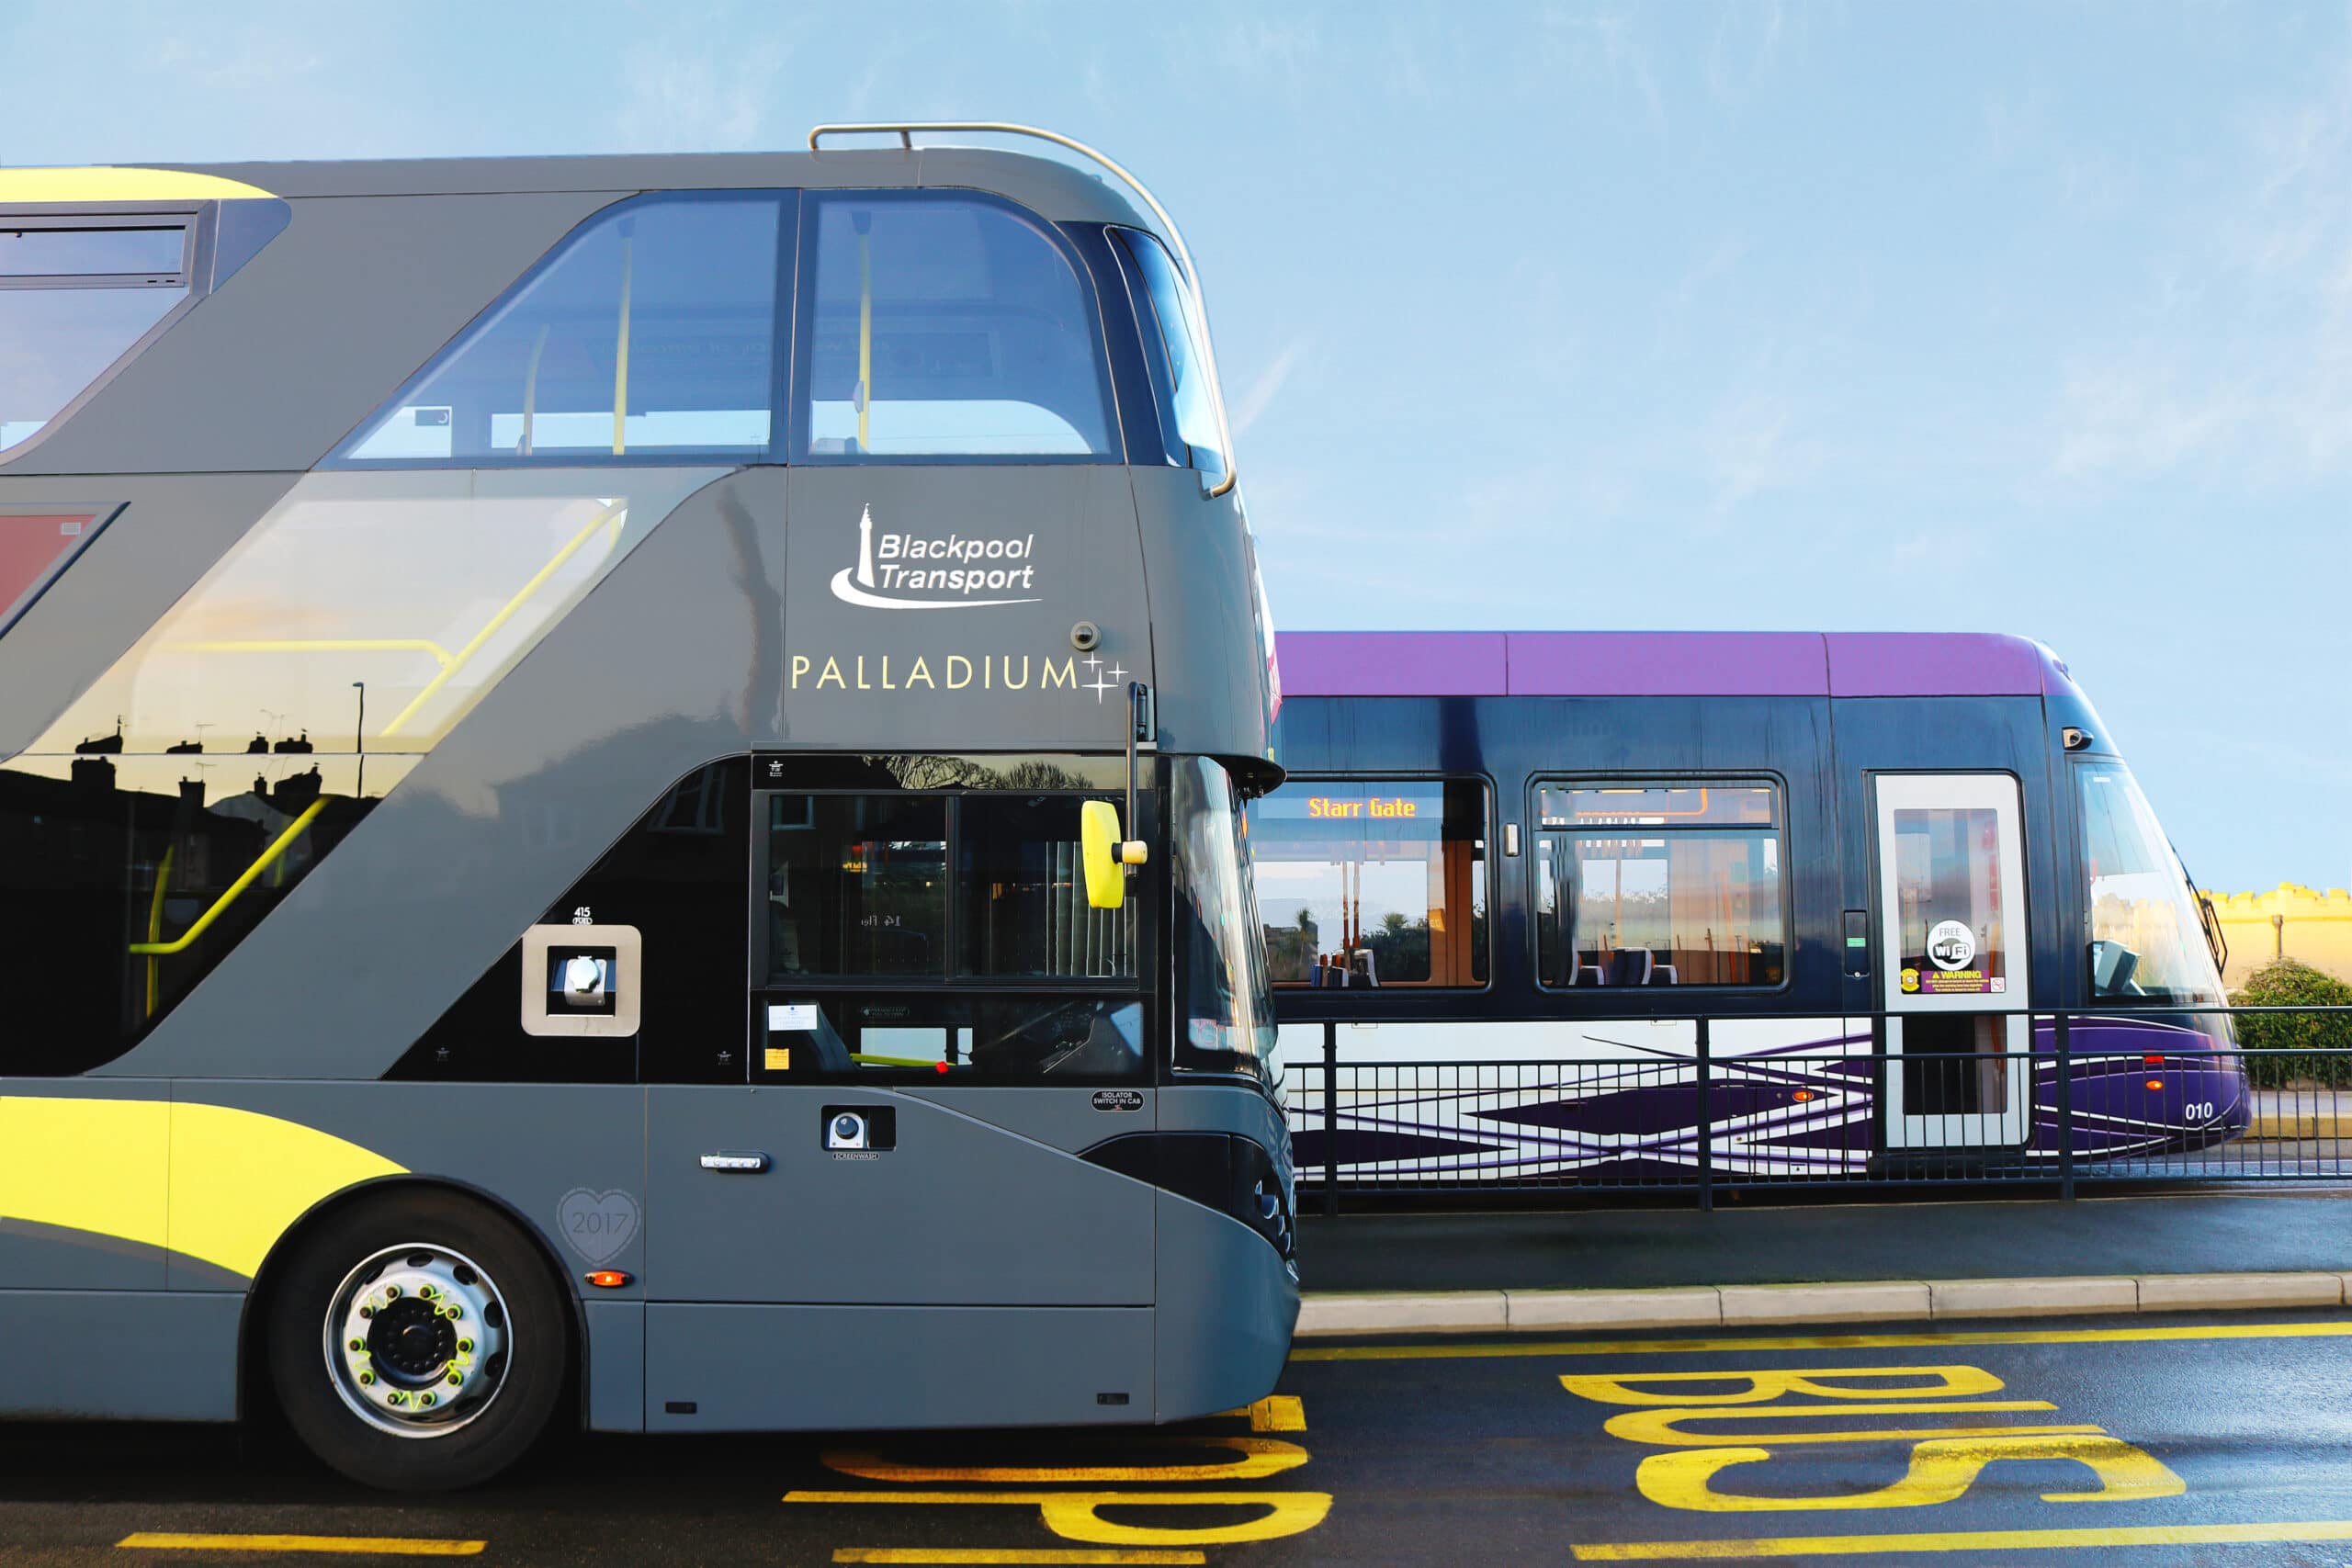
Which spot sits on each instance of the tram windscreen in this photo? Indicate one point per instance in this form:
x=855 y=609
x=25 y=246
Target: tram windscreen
x=2147 y=941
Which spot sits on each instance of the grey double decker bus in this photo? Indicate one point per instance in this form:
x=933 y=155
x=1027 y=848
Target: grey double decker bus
x=622 y=803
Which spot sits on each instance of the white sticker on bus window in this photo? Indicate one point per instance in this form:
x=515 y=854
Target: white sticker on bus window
x=792 y=1015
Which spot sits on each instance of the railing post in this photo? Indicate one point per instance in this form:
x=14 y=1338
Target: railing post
x=2063 y=1041
x=1330 y=1119
x=1706 y=1127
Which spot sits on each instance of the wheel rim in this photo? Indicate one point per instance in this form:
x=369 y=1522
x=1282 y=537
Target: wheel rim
x=418 y=1340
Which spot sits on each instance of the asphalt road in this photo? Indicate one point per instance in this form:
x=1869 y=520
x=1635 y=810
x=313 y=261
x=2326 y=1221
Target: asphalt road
x=2135 y=1440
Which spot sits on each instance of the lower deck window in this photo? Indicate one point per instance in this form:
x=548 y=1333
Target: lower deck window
x=952 y=1035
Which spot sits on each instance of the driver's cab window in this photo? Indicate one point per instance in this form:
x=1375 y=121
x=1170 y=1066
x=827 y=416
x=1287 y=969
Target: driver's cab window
x=940 y=935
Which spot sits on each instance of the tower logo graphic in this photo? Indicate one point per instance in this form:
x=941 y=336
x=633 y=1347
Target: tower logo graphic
x=910 y=572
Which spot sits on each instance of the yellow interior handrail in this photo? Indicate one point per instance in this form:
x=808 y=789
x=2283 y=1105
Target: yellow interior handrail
x=268 y=858
x=611 y=514
x=155 y=920
x=620 y=358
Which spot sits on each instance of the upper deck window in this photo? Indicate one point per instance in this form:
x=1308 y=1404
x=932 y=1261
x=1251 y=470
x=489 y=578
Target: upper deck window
x=1167 y=310
x=947 y=327
x=649 y=332
x=74 y=296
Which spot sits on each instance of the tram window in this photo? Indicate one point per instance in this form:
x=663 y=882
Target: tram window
x=74 y=299
x=857 y=885
x=1022 y=895
x=650 y=332
x=1659 y=884
x=1171 y=312
x=2147 y=940
x=1373 y=881
x=946 y=326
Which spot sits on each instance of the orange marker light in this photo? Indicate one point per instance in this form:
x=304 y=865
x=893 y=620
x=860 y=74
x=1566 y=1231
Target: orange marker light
x=2155 y=1085
x=609 y=1278
x=1802 y=1096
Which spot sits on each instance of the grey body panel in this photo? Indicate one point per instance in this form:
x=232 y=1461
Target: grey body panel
x=120 y=1355
x=1054 y=190
x=848 y=1368
x=958 y=1214
x=308 y=338
x=528 y=1145
x=1206 y=635
x=170 y=528
x=615 y=1375
x=1227 y=1304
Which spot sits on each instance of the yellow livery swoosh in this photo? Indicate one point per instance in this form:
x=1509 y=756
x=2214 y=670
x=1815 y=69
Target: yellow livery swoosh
x=107 y=183
x=207 y=1181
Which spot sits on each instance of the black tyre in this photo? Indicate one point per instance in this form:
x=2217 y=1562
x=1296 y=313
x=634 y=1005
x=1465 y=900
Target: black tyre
x=417 y=1342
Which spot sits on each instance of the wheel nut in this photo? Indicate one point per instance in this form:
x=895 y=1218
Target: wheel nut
x=359 y=1344
x=456 y=1379
x=466 y=1347
x=427 y=1292
x=367 y=1378
x=392 y=1292
x=455 y=1311
x=366 y=1312
x=424 y=1399
x=395 y=1397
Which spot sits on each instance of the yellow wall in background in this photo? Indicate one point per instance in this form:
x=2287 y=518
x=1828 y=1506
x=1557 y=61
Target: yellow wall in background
x=2301 y=922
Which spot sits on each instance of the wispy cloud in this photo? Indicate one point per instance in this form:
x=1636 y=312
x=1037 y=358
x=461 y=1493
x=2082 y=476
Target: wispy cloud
x=1268 y=382
x=703 y=97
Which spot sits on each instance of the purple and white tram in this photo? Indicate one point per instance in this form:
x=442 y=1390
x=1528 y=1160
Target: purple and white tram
x=1517 y=882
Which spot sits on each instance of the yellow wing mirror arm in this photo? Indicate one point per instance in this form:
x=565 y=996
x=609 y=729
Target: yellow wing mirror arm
x=1109 y=855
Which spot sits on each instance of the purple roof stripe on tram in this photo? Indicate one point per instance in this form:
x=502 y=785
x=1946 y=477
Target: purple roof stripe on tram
x=1392 y=664
x=1668 y=664
x=1660 y=664
x=1932 y=664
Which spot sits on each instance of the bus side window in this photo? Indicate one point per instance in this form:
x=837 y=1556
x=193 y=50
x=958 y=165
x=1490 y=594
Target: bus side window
x=947 y=327
x=74 y=295
x=1169 y=322
x=649 y=332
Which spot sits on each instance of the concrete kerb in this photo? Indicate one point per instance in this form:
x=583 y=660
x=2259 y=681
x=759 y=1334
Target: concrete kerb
x=1875 y=1301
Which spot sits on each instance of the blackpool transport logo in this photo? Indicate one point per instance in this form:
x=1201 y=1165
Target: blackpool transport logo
x=907 y=571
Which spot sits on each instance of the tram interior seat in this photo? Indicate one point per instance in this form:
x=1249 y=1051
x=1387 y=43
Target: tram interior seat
x=1623 y=967
x=2112 y=966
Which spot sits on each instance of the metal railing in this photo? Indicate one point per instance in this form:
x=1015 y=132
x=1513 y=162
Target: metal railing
x=2102 y=1097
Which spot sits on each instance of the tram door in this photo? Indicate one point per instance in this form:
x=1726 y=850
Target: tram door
x=1951 y=884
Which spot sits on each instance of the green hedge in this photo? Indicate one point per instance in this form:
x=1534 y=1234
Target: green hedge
x=2322 y=1041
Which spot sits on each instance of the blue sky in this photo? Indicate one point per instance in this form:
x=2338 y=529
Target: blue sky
x=2027 y=318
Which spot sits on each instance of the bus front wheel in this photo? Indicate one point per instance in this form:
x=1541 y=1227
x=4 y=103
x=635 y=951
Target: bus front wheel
x=417 y=1342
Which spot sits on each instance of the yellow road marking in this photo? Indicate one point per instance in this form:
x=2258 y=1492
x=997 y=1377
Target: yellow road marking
x=386 y=1545
x=1824 y=1342
x=1278 y=1413
x=1010 y=1554
x=1260 y=1457
x=1072 y=1516
x=1961 y=1540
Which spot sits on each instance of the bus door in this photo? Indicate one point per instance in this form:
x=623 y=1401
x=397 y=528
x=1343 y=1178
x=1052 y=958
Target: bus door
x=1950 y=875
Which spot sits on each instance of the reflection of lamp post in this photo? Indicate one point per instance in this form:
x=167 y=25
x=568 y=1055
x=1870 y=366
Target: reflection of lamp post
x=359 y=741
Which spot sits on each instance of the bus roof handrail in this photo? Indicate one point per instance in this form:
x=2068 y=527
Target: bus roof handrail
x=904 y=130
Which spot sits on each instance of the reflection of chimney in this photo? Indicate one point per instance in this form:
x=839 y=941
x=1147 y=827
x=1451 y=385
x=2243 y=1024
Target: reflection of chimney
x=865 y=548
x=296 y=791
x=301 y=745
x=184 y=748
x=192 y=792
x=260 y=743
x=93 y=772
